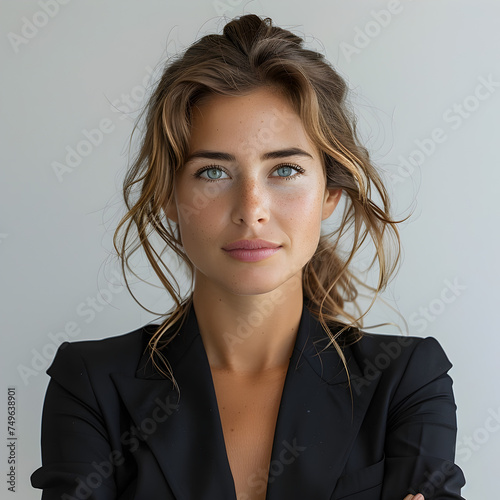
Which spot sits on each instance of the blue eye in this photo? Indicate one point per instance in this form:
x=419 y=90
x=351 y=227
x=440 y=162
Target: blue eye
x=211 y=173
x=284 y=171
x=214 y=173
x=289 y=171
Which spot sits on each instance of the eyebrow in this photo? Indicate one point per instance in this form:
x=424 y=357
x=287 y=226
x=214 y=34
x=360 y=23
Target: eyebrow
x=270 y=155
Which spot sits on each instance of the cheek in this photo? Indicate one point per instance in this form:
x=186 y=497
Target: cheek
x=303 y=207
x=203 y=215
x=303 y=222
x=199 y=217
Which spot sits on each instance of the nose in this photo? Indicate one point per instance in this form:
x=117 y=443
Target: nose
x=251 y=203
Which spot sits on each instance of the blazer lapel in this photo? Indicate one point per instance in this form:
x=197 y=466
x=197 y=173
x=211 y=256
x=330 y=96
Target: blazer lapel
x=185 y=435
x=317 y=422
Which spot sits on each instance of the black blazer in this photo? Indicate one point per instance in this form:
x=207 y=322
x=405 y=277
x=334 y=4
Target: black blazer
x=113 y=427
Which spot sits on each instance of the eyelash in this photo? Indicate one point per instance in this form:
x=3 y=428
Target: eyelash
x=298 y=169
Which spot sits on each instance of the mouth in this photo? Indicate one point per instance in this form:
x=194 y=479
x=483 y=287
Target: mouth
x=250 y=245
x=251 y=250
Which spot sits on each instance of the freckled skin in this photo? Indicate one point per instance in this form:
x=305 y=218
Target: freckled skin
x=251 y=201
x=251 y=198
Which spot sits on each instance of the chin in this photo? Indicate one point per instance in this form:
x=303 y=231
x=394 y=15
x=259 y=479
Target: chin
x=262 y=284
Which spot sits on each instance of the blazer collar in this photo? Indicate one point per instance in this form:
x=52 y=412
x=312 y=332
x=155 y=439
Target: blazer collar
x=318 y=419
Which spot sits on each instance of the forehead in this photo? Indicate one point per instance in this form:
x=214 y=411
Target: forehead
x=249 y=123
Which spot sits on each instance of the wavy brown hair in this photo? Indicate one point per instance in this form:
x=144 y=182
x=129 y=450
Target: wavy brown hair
x=249 y=54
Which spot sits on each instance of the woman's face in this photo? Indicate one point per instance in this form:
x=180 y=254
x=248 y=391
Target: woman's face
x=251 y=174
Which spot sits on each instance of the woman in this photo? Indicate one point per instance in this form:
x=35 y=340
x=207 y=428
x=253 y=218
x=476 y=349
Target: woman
x=260 y=383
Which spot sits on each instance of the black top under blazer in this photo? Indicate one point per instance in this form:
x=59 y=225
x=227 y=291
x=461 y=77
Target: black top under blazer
x=113 y=427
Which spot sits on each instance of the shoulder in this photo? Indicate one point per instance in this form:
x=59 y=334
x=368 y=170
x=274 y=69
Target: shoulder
x=382 y=349
x=405 y=362
x=120 y=353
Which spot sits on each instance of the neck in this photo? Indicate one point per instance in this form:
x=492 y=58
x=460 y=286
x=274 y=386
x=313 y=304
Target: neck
x=248 y=333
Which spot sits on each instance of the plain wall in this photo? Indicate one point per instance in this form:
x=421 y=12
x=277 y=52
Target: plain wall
x=427 y=113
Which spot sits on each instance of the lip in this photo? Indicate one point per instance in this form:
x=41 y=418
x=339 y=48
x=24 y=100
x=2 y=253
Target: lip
x=251 y=250
x=250 y=245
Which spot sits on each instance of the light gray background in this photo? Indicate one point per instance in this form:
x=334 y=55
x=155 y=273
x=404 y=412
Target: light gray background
x=55 y=233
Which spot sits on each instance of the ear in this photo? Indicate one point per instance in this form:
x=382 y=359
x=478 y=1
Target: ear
x=330 y=202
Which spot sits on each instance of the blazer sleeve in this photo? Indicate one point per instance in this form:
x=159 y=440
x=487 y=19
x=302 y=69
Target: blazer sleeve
x=75 y=446
x=422 y=428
